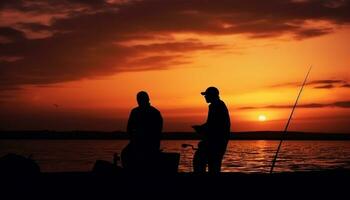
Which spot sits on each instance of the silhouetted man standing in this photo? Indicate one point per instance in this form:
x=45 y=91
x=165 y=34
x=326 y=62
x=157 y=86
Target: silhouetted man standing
x=215 y=134
x=144 y=128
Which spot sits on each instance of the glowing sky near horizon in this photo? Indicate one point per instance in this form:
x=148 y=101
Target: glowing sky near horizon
x=77 y=65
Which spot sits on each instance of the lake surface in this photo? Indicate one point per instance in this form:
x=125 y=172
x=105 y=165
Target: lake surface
x=241 y=156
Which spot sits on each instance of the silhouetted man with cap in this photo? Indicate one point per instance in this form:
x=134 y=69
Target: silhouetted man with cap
x=144 y=128
x=215 y=134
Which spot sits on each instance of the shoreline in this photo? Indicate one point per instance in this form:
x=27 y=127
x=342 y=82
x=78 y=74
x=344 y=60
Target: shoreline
x=99 y=135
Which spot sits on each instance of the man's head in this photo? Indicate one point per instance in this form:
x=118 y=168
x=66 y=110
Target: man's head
x=142 y=99
x=211 y=94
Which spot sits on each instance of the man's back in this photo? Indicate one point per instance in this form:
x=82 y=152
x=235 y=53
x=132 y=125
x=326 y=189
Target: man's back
x=145 y=126
x=218 y=121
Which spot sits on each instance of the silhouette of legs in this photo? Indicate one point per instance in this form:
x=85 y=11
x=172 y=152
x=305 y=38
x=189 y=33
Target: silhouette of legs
x=214 y=163
x=215 y=156
x=199 y=161
x=210 y=155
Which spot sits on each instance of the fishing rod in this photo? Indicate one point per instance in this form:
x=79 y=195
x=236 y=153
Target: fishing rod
x=287 y=125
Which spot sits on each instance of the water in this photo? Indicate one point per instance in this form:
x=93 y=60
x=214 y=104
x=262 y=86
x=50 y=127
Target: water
x=241 y=156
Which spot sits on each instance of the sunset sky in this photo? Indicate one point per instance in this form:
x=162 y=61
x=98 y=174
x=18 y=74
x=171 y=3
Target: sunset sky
x=78 y=64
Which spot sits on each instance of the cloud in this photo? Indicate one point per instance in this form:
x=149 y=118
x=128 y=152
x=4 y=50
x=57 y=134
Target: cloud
x=70 y=57
x=34 y=26
x=11 y=34
x=330 y=81
x=328 y=86
x=317 y=84
x=63 y=40
x=5 y=96
x=177 y=46
x=313 y=32
x=48 y=6
x=339 y=104
x=342 y=104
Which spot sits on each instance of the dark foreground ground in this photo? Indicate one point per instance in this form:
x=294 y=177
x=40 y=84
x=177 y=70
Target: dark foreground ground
x=21 y=178
x=80 y=185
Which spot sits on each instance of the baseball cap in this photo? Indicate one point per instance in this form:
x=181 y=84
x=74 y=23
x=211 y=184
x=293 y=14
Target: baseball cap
x=211 y=91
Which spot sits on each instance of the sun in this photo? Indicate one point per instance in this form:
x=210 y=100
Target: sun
x=262 y=118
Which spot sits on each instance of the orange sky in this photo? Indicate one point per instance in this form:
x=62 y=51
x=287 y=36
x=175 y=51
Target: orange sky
x=92 y=58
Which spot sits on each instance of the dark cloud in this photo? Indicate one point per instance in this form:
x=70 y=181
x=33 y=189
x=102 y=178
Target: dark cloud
x=34 y=26
x=289 y=84
x=328 y=86
x=6 y=96
x=86 y=57
x=148 y=63
x=340 y=104
x=255 y=18
x=49 y=6
x=318 y=84
x=9 y=88
x=87 y=37
x=11 y=34
x=177 y=46
x=313 y=32
x=216 y=17
x=330 y=81
x=11 y=4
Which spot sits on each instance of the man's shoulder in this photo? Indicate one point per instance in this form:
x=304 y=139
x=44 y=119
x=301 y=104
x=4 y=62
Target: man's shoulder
x=218 y=104
x=142 y=110
x=135 y=110
x=222 y=103
x=154 y=109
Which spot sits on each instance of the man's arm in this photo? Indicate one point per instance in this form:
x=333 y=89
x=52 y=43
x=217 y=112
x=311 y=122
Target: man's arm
x=160 y=123
x=131 y=123
x=159 y=128
x=202 y=129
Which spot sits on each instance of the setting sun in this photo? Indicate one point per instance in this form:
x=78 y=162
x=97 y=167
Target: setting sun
x=262 y=118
